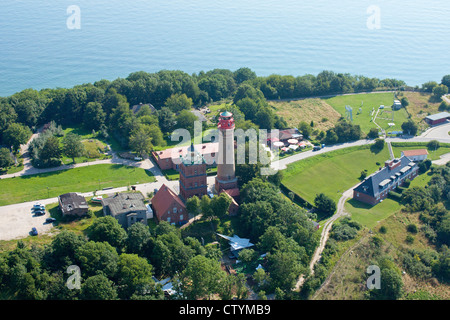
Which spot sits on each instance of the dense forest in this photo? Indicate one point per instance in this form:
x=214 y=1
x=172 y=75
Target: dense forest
x=115 y=263
x=105 y=106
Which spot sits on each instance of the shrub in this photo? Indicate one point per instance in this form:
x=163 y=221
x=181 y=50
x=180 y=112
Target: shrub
x=412 y=228
x=409 y=239
x=383 y=229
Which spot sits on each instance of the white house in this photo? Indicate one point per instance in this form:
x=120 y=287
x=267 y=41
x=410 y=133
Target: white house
x=416 y=154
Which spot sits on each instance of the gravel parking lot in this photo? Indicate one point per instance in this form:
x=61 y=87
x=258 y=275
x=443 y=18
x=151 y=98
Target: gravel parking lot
x=16 y=221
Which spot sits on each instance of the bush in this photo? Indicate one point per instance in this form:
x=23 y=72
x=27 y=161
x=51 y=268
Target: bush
x=383 y=229
x=412 y=228
x=433 y=145
x=409 y=239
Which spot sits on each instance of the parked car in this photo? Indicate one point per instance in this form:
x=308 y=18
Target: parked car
x=39 y=213
x=316 y=148
x=50 y=220
x=97 y=199
x=34 y=232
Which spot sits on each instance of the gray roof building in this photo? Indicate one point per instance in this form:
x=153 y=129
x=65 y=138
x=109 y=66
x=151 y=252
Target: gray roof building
x=73 y=204
x=127 y=208
x=376 y=187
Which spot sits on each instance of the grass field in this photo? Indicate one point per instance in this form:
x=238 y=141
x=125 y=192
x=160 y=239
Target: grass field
x=367 y=103
x=398 y=147
x=317 y=110
x=84 y=179
x=333 y=172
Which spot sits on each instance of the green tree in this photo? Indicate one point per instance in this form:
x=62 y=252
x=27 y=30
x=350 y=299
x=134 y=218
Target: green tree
x=50 y=150
x=410 y=127
x=15 y=135
x=244 y=74
x=72 y=146
x=439 y=91
x=373 y=133
x=6 y=160
x=138 y=236
x=109 y=230
x=98 y=287
x=405 y=102
x=193 y=205
x=305 y=129
x=97 y=257
x=185 y=120
x=94 y=116
x=166 y=120
x=433 y=145
x=325 y=204
x=201 y=278
x=178 y=102
x=219 y=205
x=134 y=274
x=141 y=142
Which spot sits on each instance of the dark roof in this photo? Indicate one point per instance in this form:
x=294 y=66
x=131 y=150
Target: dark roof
x=71 y=201
x=371 y=184
x=138 y=107
x=124 y=203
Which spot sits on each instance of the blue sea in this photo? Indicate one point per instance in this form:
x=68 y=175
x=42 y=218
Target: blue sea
x=39 y=47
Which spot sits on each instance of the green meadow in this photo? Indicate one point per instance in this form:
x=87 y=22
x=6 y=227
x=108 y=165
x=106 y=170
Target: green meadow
x=369 y=103
x=83 y=179
x=333 y=172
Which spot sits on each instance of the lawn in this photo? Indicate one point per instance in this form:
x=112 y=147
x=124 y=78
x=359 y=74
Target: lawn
x=368 y=215
x=333 y=172
x=368 y=103
x=398 y=147
x=84 y=179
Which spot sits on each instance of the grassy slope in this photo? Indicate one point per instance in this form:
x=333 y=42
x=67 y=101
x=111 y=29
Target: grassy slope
x=370 y=101
x=84 y=179
x=348 y=277
x=331 y=173
x=307 y=110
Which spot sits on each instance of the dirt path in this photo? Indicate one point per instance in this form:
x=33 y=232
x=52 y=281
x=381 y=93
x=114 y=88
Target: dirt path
x=340 y=212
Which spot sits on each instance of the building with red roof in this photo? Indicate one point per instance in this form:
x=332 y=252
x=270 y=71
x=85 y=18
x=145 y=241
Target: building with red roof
x=416 y=154
x=167 y=206
x=171 y=158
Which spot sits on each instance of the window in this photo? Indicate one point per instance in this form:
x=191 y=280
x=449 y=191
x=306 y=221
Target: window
x=357 y=194
x=181 y=217
x=168 y=219
x=174 y=209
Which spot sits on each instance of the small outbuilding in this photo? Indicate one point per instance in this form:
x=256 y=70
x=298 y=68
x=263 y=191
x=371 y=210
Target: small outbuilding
x=73 y=204
x=416 y=154
x=437 y=118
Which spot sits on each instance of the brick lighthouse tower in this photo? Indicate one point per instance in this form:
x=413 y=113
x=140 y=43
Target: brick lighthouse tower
x=226 y=171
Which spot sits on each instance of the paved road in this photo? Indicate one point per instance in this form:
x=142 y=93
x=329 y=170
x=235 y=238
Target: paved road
x=16 y=220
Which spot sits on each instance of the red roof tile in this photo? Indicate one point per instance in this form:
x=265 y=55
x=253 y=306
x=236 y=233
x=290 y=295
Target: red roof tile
x=416 y=152
x=164 y=199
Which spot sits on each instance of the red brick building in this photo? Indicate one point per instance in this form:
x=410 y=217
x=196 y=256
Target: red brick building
x=167 y=206
x=170 y=158
x=437 y=118
x=193 y=177
x=376 y=187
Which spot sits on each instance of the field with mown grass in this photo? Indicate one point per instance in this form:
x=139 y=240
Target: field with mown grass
x=333 y=172
x=83 y=179
x=398 y=147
